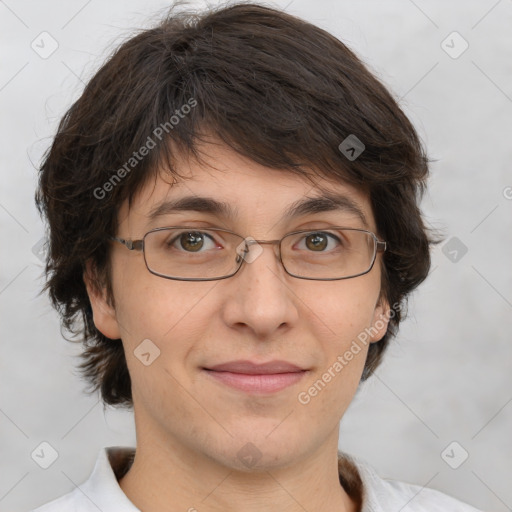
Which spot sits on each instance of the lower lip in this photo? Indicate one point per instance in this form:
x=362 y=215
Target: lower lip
x=268 y=383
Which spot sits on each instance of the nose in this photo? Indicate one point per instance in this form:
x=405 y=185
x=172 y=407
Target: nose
x=262 y=300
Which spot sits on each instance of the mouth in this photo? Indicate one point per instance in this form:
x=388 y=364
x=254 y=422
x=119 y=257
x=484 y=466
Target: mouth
x=256 y=378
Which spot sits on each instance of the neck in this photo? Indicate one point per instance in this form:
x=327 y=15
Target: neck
x=166 y=479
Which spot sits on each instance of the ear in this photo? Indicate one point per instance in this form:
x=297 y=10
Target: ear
x=104 y=314
x=380 y=321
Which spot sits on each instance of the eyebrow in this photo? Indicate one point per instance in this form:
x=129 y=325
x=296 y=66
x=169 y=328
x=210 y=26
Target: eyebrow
x=328 y=202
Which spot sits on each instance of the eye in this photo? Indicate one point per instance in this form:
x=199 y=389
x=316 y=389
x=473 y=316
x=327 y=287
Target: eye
x=192 y=241
x=318 y=241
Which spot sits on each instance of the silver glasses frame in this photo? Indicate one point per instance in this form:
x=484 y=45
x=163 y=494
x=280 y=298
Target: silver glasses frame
x=138 y=245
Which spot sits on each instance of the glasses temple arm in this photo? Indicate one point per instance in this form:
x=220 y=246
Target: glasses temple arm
x=132 y=245
x=381 y=246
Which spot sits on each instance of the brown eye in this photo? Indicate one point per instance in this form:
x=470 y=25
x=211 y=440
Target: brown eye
x=191 y=241
x=184 y=241
x=318 y=242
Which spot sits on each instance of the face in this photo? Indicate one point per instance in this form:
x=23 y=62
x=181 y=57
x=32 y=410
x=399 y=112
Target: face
x=261 y=314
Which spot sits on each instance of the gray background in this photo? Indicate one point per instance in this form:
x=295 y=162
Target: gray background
x=448 y=375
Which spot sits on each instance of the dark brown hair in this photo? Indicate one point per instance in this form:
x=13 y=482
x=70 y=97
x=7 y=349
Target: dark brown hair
x=276 y=89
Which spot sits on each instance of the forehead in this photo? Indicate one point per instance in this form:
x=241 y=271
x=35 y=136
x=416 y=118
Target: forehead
x=232 y=188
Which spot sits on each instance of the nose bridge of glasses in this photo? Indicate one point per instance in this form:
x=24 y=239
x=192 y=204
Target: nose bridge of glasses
x=251 y=241
x=269 y=242
x=249 y=256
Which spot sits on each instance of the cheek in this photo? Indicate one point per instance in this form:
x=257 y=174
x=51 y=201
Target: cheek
x=146 y=305
x=339 y=322
x=160 y=312
x=171 y=314
x=342 y=312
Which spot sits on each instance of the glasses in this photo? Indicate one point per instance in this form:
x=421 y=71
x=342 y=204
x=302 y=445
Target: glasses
x=207 y=254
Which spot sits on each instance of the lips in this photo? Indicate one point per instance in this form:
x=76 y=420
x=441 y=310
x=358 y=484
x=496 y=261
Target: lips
x=256 y=378
x=250 y=368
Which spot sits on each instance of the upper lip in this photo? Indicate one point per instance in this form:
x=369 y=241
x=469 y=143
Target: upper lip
x=248 y=367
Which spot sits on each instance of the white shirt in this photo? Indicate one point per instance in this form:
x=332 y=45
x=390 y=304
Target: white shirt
x=101 y=490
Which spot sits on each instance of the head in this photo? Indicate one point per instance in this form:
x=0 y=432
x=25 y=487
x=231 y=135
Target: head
x=246 y=105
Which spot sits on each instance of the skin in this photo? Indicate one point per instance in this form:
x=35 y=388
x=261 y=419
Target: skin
x=189 y=427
